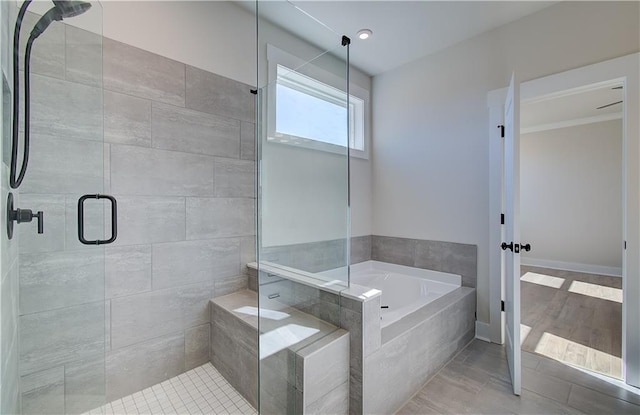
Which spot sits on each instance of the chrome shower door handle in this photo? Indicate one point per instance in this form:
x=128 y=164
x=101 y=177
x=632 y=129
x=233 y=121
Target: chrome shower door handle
x=114 y=220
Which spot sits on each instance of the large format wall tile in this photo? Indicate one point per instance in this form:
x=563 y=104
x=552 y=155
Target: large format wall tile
x=127 y=119
x=144 y=316
x=399 y=251
x=449 y=257
x=196 y=346
x=234 y=178
x=219 y=218
x=310 y=256
x=248 y=141
x=127 y=270
x=180 y=263
x=143 y=171
x=43 y=392
x=191 y=131
x=215 y=94
x=145 y=300
x=47 y=56
x=83 y=56
x=53 y=338
x=228 y=285
x=64 y=166
x=144 y=364
x=84 y=384
x=10 y=400
x=360 y=249
x=143 y=220
x=66 y=110
x=247 y=252
x=60 y=279
x=137 y=72
x=455 y=258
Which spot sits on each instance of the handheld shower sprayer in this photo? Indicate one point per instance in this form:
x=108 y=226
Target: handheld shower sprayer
x=61 y=9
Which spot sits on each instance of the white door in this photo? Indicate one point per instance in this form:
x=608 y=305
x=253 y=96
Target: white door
x=511 y=245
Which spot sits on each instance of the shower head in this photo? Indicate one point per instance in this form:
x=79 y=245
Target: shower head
x=61 y=10
x=71 y=8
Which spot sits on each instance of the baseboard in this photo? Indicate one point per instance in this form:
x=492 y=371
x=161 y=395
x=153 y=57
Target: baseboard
x=572 y=266
x=483 y=331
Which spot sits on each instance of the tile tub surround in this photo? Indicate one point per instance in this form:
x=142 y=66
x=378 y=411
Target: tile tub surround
x=455 y=258
x=414 y=348
x=310 y=376
x=428 y=337
x=310 y=257
x=182 y=169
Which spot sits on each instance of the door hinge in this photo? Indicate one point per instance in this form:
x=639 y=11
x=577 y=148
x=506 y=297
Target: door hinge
x=625 y=244
x=502 y=219
x=501 y=305
x=501 y=127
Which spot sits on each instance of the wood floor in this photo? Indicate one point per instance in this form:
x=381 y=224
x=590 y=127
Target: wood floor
x=477 y=381
x=573 y=317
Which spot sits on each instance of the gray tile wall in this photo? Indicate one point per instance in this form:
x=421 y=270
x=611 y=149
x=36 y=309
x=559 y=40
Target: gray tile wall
x=461 y=259
x=178 y=155
x=311 y=257
x=320 y=256
x=9 y=294
x=360 y=249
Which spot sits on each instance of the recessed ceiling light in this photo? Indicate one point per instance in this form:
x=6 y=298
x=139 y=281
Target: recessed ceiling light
x=364 y=34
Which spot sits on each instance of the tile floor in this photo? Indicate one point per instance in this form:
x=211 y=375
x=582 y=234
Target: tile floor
x=202 y=390
x=477 y=381
x=573 y=317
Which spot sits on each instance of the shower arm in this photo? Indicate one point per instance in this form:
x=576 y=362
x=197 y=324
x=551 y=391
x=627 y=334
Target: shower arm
x=13 y=181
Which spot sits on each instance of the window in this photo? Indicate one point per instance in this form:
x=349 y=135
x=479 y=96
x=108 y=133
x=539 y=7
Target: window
x=311 y=112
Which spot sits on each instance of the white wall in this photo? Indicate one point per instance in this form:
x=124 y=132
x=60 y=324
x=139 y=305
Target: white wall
x=571 y=195
x=430 y=119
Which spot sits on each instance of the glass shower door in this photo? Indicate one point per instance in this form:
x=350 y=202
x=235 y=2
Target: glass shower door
x=61 y=280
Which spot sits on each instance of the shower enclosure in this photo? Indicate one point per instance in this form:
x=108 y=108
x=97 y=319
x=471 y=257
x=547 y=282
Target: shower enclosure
x=220 y=287
x=53 y=290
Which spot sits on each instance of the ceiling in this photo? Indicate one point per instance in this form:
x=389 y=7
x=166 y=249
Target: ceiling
x=403 y=31
x=571 y=109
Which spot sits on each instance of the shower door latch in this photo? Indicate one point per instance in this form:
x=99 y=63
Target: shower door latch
x=114 y=220
x=21 y=216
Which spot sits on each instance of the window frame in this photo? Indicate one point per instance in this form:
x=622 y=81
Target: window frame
x=359 y=124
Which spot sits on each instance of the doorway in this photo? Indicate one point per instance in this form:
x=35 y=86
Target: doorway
x=571 y=198
x=623 y=70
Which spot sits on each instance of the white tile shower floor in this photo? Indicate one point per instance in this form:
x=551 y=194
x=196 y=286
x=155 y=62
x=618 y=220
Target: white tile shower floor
x=202 y=390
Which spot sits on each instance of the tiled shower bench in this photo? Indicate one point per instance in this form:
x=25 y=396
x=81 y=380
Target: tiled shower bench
x=304 y=361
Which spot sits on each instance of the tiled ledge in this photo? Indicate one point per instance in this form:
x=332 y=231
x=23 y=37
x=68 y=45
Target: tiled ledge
x=306 y=375
x=354 y=292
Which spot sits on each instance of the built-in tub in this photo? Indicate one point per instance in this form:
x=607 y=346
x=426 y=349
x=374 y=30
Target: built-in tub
x=404 y=289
